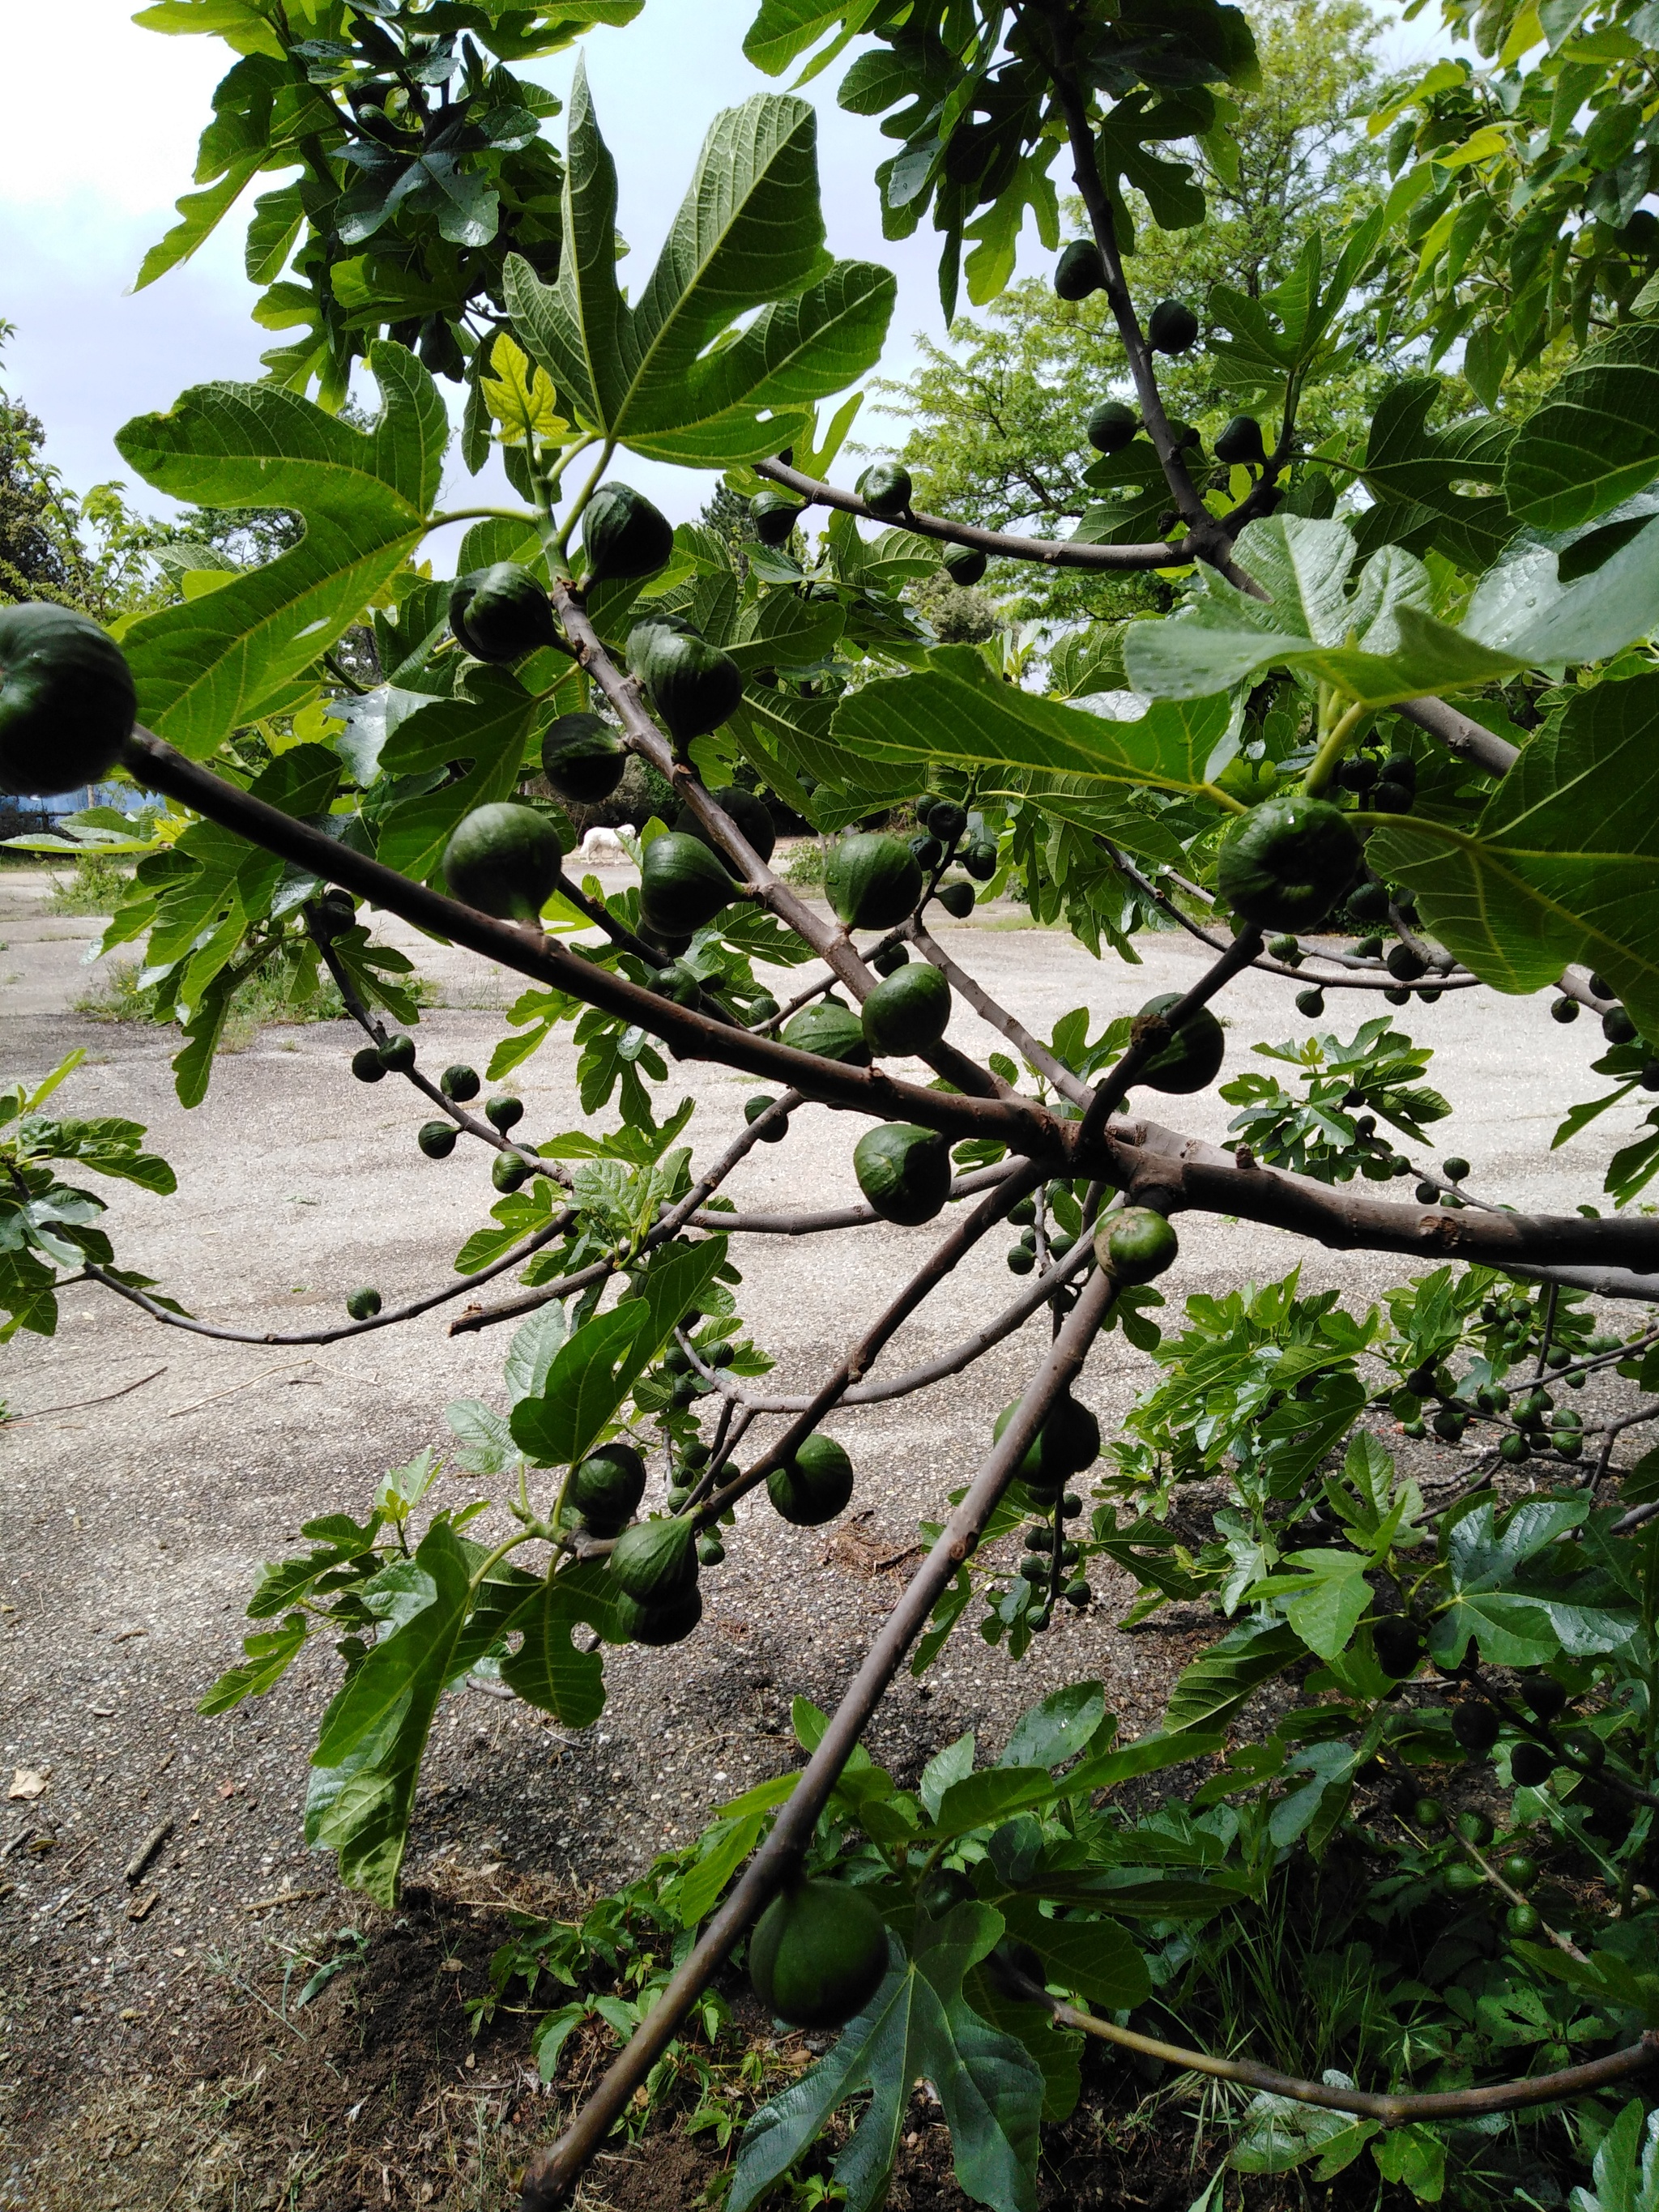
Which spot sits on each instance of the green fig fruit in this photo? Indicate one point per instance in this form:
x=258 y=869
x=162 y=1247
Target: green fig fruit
x=1240 y=442
x=623 y=536
x=682 y=884
x=818 y=1954
x=829 y=1030
x=775 y=514
x=656 y=1625
x=1286 y=862
x=437 y=1139
x=813 y=1486
x=694 y=685
x=363 y=1306
x=751 y=815
x=1172 y=327
x=904 y=1171
x=654 y=1562
x=606 y=1487
x=1079 y=270
x=500 y=613
x=965 y=564
x=886 y=489
x=872 y=880
x=1111 y=427
x=504 y=860
x=67 y=700
x=908 y=1013
x=583 y=759
x=1192 y=1058
x=1135 y=1243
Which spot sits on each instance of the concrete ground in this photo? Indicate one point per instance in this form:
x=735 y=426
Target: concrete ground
x=133 y=1527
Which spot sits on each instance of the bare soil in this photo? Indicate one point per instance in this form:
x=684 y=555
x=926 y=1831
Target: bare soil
x=151 y=2056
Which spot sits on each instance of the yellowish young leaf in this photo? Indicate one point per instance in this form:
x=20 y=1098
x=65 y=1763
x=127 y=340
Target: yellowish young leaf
x=521 y=398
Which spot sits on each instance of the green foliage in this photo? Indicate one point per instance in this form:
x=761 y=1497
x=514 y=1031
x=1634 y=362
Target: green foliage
x=1319 y=1134
x=423 y=168
x=999 y=416
x=1260 y=1886
x=653 y=376
x=47 y=1225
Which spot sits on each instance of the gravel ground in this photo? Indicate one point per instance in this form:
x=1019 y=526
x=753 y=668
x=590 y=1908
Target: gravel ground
x=133 y=1526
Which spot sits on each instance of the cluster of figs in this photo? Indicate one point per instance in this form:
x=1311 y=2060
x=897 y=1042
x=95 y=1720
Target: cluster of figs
x=821 y=1950
x=1171 y=328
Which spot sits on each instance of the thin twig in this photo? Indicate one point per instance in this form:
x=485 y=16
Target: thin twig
x=387 y=1318
x=1392 y=2112
x=1036 y=1294
x=79 y=1405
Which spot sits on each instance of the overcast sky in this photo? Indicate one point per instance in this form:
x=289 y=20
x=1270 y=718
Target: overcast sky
x=87 y=187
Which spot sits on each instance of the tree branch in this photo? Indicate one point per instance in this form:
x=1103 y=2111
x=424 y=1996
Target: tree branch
x=684 y=1211
x=830 y=941
x=941 y=1262
x=1036 y=1293
x=1021 y=1124
x=1145 y=1157
x=1049 y=552
x=485 y=1132
x=1037 y=1054
x=1392 y=2112
x=1210 y=540
x=1468 y=739
x=556 y=1227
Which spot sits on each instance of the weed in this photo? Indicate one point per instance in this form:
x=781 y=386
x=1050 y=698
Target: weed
x=805 y=864
x=96 y=885
x=117 y=994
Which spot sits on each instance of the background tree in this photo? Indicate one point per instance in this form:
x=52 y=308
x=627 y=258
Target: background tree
x=999 y=413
